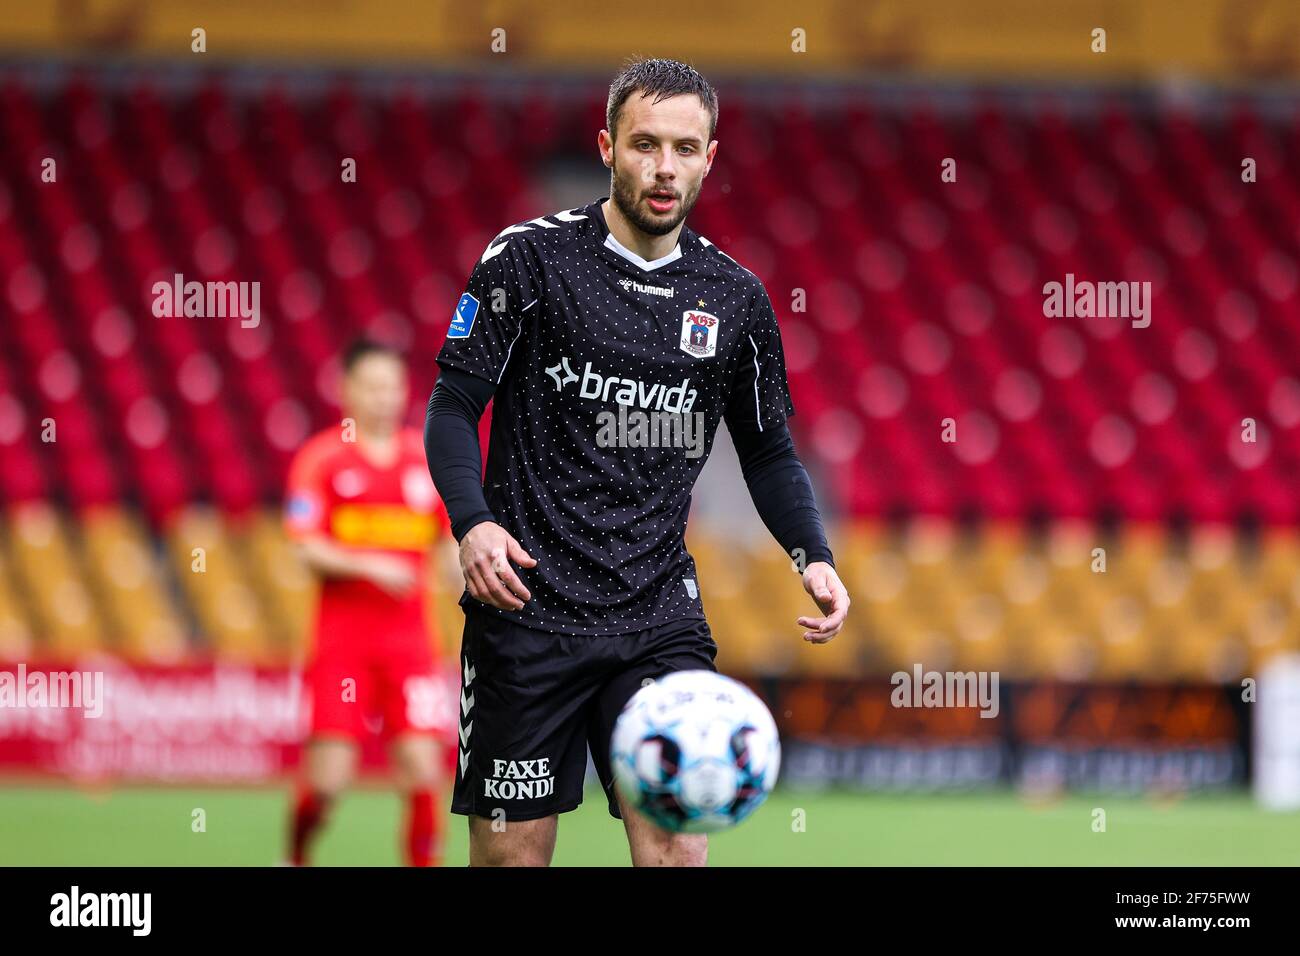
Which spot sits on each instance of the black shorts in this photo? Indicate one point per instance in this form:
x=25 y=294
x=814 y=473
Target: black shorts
x=531 y=703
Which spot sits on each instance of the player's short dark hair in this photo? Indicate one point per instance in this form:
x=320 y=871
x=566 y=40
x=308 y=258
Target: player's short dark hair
x=661 y=79
x=362 y=347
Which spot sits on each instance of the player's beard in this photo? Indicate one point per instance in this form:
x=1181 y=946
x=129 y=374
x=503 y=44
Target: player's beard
x=628 y=193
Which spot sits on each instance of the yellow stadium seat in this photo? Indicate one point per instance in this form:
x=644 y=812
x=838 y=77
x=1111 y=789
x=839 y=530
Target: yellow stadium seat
x=284 y=588
x=68 y=621
x=212 y=571
x=145 y=624
x=16 y=642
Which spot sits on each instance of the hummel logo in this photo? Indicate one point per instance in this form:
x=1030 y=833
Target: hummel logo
x=466 y=703
x=569 y=374
x=631 y=285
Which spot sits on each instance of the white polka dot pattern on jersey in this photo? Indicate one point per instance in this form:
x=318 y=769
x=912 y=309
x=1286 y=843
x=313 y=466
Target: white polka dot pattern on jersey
x=577 y=333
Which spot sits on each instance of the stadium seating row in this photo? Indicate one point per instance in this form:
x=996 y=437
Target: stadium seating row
x=1068 y=602
x=905 y=300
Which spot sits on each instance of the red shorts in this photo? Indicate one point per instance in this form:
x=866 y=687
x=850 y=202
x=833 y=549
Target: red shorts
x=353 y=695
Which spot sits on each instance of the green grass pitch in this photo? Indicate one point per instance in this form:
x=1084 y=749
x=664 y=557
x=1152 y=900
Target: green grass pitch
x=42 y=825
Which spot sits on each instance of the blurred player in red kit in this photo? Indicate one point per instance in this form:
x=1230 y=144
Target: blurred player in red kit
x=365 y=515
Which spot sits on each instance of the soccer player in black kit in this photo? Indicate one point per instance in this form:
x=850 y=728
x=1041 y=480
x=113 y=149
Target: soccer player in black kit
x=579 y=587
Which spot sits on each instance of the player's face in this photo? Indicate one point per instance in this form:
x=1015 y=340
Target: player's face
x=375 y=392
x=660 y=158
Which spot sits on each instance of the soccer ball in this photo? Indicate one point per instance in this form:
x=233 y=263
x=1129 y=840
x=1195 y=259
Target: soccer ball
x=695 y=752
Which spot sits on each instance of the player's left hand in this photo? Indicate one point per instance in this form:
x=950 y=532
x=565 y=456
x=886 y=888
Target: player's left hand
x=821 y=581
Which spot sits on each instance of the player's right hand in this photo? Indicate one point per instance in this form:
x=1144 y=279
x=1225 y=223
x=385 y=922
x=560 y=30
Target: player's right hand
x=392 y=575
x=486 y=552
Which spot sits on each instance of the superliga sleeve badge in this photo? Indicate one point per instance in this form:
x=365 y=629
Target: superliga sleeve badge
x=462 y=320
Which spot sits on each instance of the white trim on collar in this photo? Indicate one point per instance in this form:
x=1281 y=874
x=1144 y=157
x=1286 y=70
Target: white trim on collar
x=644 y=264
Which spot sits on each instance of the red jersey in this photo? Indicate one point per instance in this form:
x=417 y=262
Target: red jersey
x=336 y=491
